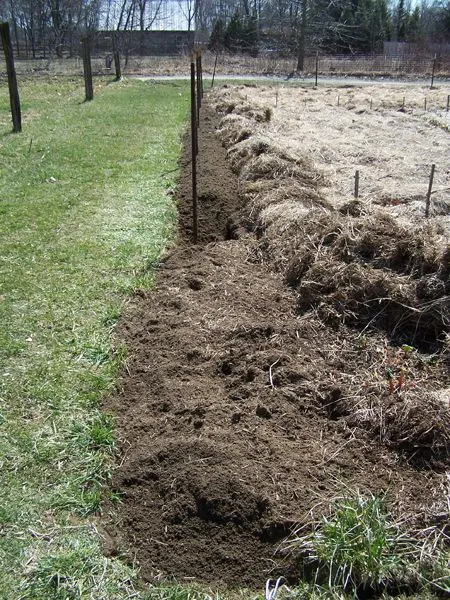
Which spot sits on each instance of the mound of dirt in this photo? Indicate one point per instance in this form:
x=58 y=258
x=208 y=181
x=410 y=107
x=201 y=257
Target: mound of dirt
x=237 y=415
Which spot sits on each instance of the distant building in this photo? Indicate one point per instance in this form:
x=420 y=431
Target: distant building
x=145 y=43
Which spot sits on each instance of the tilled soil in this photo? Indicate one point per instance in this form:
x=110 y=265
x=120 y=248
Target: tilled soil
x=226 y=409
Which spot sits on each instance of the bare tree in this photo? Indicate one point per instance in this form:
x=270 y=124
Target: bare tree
x=190 y=10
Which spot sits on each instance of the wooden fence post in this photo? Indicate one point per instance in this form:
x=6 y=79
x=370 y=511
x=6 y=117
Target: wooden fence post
x=89 y=88
x=12 y=78
x=116 y=56
x=194 y=150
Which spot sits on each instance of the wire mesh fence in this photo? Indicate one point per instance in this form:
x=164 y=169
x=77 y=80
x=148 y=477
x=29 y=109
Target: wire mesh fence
x=378 y=65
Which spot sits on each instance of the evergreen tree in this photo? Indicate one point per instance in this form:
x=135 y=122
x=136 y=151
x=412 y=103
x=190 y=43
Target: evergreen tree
x=402 y=20
x=251 y=34
x=414 y=27
x=217 y=38
x=241 y=34
x=234 y=33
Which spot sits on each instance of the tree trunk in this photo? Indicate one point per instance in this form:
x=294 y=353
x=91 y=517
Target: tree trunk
x=116 y=55
x=14 y=22
x=302 y=38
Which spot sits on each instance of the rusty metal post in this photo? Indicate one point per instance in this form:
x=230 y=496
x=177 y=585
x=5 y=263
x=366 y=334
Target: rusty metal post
x=356 y=191
x=430 y=187
x=194 y=149
x=199 y=91
x=201 y=75
x=433 y=68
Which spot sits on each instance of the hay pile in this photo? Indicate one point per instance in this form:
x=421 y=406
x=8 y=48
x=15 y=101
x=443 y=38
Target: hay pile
x=354 y=267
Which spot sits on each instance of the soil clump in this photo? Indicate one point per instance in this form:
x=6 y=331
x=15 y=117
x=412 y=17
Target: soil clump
x=240 y=415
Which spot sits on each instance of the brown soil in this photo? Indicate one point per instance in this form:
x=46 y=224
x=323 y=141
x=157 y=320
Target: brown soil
x=234 y=414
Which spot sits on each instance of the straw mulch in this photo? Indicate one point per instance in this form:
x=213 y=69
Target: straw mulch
x=352 y=267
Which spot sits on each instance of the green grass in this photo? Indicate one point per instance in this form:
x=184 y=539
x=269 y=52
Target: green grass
x=358 y=544
x=356 y=549
x=84 y=212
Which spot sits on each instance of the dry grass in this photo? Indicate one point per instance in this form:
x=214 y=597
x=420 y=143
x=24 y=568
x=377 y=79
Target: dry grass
x=370 y=264
x=235 y=128
x=383 y=131
x=358 y=252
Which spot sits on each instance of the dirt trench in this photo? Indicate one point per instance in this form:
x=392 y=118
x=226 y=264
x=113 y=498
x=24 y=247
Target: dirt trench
x=227 y=410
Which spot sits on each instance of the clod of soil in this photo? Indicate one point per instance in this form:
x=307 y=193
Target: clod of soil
x=238 y=416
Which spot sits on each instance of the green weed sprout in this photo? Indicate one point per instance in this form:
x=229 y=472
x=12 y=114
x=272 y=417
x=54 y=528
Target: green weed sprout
x=355 y=546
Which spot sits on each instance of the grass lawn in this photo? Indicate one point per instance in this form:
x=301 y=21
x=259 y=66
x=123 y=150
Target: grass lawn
x=84 y=214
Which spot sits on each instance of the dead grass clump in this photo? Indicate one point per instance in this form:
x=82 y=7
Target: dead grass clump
x=394 y=393
x=225 y=106
x=234 y=129
x=349 y=293
x=283 y=213
x=270 y=166
x=354 y=208
x=289 y=191
x=244 y=151
x=362 y=272
x=361 y=296
x=420 y=427
x=261 y=114
x=291 y=199
x=229 y=102
x=380 y=241
x=297 y=268
x=432 y=287
x=414 y=423
x=290 y=196
x=287 y=242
